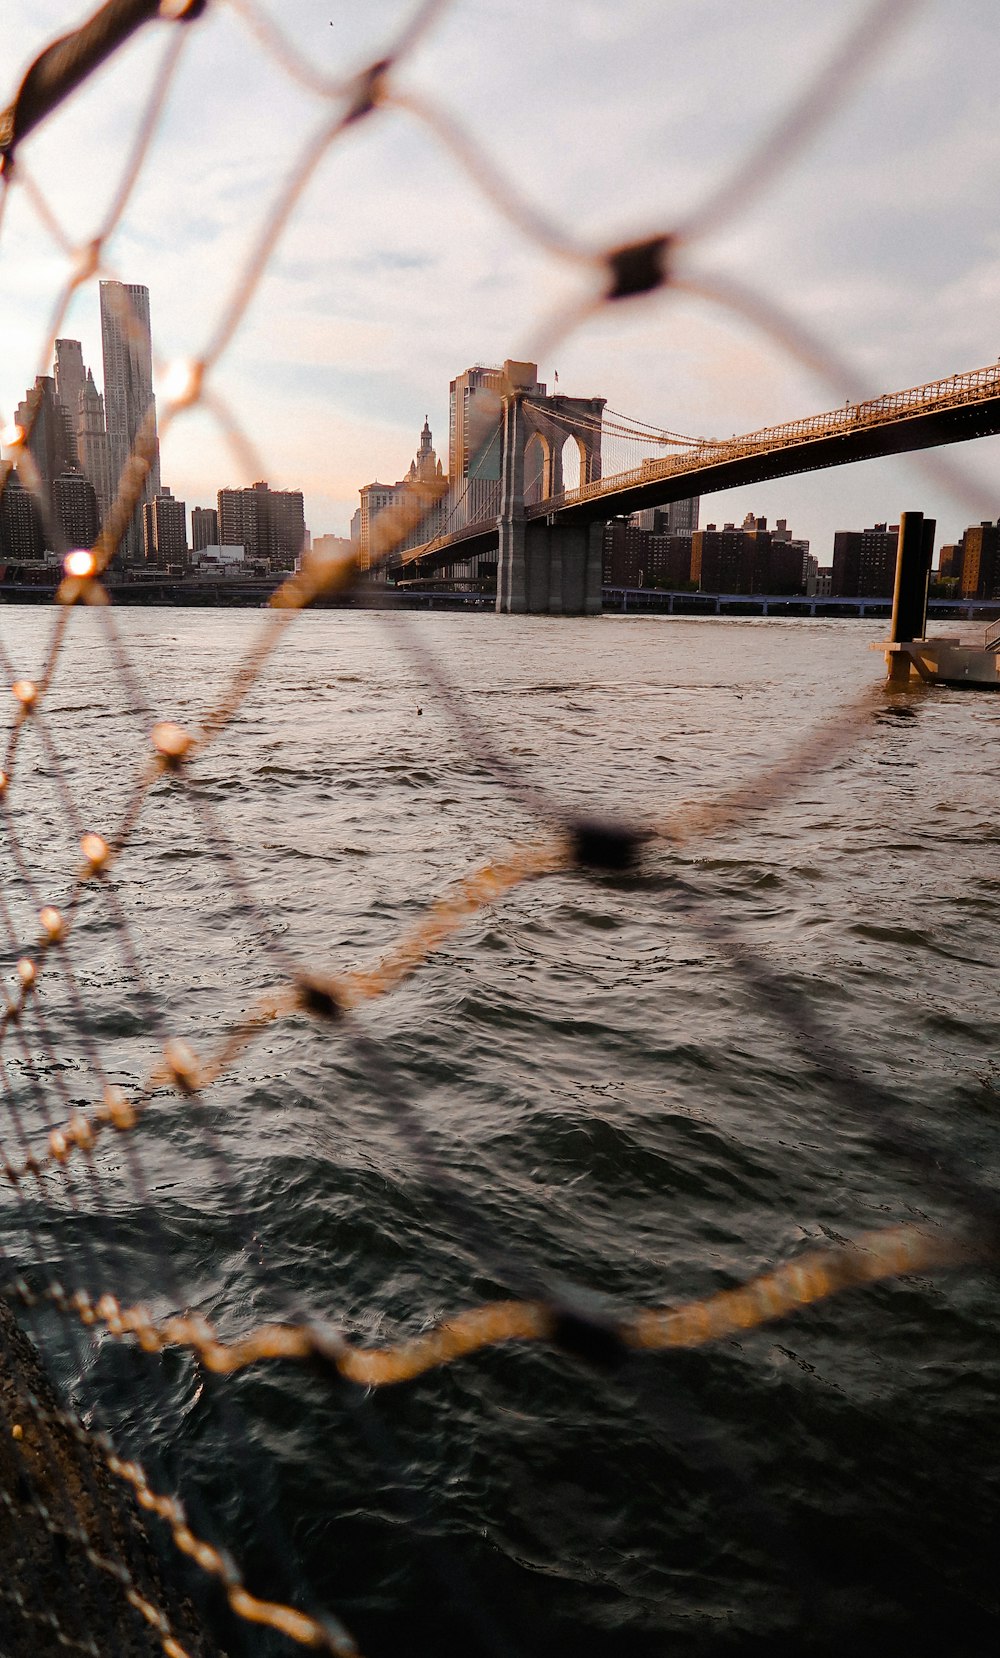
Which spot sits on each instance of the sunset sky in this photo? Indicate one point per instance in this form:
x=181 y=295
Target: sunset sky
x=617 y=117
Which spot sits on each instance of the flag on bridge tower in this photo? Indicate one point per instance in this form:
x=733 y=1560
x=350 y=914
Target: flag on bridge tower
x=555 y=376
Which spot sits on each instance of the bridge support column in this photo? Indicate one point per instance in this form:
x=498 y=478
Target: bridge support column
x=511 y=526
x=909 y=600
x=511 y=588
x=543 y=568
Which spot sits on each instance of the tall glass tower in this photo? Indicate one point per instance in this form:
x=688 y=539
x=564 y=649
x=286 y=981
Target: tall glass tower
x=128 y=390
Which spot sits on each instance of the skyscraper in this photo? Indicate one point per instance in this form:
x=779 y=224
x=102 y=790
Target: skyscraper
x=375 y=498
x=426 y=467
x=679 y=518
x=475 y=431
x=475 y=402
x=682 y=516
x=71 y=378
x=92 y=444
x=474 y=408
x=40 y=414
x=128 y=389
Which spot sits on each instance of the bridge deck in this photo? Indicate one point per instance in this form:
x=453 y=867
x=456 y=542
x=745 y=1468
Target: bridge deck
x=954 y=410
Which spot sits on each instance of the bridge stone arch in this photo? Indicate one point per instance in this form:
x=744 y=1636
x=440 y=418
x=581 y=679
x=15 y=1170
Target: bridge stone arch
x=553 y=420
x=538 y=468
x=573 y=463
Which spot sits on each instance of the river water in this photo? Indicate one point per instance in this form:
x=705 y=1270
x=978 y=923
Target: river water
x=609 y=1096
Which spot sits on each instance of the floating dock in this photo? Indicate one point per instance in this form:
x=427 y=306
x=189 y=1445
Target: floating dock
x=949 y=660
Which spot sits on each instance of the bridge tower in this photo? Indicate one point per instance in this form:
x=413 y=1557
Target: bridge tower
x=546 y=568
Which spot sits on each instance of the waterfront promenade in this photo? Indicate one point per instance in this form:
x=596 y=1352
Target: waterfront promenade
x=252 y=593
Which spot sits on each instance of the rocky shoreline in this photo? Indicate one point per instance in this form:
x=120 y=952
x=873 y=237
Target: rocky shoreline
x=79 y=1573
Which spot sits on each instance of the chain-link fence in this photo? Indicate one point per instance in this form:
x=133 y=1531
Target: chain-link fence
x=95 y=1035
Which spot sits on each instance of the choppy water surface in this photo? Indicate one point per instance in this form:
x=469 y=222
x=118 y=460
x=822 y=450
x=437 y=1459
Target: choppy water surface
x=600 y=1083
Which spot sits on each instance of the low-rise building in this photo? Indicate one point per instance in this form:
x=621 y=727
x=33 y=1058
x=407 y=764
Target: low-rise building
x=164 y=529
x=625 y=554
x=330 y=546
x=230 y=560
x=748 y=559
x=668 y=561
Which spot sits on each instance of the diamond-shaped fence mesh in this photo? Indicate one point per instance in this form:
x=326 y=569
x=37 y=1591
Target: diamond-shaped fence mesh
x=162 y=977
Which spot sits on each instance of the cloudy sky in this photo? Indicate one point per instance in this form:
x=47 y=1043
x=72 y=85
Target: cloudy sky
x=617 y=118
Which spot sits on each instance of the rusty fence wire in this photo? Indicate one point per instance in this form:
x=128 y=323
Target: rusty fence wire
x=55 y=905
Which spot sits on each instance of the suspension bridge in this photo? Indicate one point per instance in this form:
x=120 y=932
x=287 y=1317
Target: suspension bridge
x=546 y=538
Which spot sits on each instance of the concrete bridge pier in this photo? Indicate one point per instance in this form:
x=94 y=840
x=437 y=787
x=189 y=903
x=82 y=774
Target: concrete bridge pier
x=543 y=568
x=549 y=569
x=563 y=567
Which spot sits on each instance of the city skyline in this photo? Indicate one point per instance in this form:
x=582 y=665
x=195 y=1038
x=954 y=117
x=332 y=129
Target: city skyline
x=477 y=378
x=368 y=307
x=271 y=524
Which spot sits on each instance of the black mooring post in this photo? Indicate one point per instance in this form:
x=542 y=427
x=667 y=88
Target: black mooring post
x=909 y=600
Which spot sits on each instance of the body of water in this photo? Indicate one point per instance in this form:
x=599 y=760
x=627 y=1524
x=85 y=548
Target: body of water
x=604 y=1090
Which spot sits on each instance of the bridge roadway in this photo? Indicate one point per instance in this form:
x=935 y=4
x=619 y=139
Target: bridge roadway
x=954 y=410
